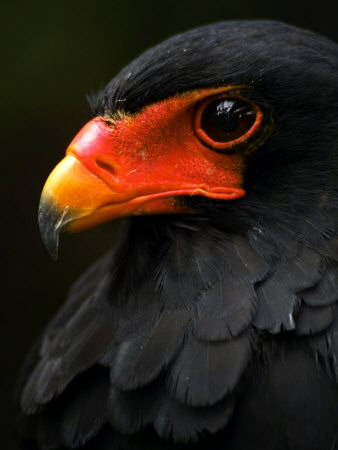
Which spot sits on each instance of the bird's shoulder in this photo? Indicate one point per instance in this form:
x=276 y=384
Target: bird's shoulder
x=176 y=347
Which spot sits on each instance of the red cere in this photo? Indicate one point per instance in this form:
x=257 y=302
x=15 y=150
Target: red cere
x=156 y=153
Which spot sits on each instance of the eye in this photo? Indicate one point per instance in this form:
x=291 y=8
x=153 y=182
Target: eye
x=222 y=123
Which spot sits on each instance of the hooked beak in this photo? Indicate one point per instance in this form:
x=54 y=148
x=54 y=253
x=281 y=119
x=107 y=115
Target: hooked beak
x=133 y=165
x=74 y=199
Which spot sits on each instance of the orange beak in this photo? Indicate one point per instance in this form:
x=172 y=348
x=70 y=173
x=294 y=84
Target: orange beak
x=136 y=165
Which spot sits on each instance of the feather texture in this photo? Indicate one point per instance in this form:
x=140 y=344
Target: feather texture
x=205 y=372
x=139 y=361
x=219 y=329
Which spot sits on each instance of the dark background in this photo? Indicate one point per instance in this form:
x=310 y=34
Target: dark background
x=54 y=54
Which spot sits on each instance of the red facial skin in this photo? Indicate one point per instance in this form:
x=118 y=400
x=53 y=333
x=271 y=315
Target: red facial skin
x=147 y=161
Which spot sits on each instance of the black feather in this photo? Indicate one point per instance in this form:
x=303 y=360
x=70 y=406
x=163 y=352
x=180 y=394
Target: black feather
x=77 y=347
x=139 y=361
x=183 y=424
x=86 y=410
x=277 y=295
x=312 y=320
x=130 y=412
x=325 y=346
x=224 y=311
x=205 y=372
x=325 y=292
x=275 y=307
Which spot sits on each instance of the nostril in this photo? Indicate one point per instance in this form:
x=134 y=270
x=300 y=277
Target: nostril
x=107 y=166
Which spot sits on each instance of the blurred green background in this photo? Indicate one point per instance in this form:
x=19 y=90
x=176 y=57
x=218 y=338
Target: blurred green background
x=54 y=54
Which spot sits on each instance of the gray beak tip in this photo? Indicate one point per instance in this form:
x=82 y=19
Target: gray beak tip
x=50 y=224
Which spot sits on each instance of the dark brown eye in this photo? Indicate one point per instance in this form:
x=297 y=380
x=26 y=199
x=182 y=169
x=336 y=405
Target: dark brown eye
x=224 y=122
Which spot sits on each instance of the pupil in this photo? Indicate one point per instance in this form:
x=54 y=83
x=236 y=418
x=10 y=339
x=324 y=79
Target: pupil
x=227 y=119
x=226 y=115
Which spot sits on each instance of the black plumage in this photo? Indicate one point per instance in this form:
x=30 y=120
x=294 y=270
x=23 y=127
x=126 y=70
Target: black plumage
x=218 y=330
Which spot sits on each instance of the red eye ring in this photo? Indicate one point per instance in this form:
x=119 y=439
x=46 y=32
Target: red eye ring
x=228 y=145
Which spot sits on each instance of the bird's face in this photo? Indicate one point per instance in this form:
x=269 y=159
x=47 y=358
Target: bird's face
x=190 y=135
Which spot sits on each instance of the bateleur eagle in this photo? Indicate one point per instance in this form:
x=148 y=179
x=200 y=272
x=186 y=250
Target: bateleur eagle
x=213 y=324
